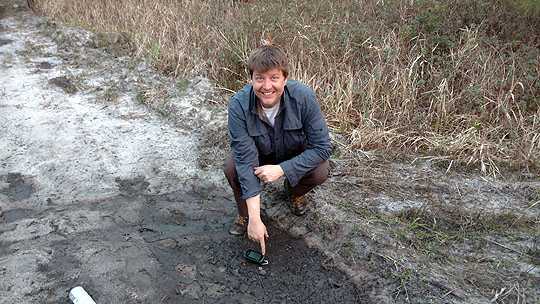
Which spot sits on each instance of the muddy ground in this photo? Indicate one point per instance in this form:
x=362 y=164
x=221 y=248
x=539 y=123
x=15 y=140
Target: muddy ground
x=110 y=179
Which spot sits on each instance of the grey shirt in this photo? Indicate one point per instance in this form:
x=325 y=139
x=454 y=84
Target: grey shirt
x=298 y=141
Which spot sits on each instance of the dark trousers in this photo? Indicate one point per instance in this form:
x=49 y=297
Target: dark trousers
x=313 y=178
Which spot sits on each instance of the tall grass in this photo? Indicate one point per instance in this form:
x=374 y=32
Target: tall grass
x=452 y=80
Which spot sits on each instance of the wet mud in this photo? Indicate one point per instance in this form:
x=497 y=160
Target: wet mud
x=169 y=248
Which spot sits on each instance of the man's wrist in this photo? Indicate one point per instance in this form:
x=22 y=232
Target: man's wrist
x=254 y=220
x=253 y=205
x=282 y=171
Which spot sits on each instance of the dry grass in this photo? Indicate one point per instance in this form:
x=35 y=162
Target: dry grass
x=457 y=81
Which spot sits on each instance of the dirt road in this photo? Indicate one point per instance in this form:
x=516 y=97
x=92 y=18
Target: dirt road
x=98 y=191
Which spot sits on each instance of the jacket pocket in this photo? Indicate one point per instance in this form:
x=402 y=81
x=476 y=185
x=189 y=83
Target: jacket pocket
x=294 y=140
x=263 y=143
x=259 y=133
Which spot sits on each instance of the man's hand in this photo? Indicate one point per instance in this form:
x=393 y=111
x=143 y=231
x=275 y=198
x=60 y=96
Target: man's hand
x=257 y=232
x=256 y=229
x=269 y=173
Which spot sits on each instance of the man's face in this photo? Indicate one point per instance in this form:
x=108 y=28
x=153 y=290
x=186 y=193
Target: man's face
x=268 y=86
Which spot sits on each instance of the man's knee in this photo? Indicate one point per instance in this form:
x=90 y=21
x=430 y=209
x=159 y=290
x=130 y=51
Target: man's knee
x=321 y=173
x=228 y=167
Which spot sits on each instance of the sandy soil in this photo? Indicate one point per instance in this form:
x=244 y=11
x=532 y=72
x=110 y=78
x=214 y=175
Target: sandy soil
x=110 y=179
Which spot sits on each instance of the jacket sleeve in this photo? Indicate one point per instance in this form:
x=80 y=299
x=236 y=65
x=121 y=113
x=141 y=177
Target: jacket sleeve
x=318 y=142
x=246 y=155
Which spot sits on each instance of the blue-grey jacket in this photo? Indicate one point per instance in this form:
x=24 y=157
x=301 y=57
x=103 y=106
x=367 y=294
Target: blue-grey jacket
x=298 y=142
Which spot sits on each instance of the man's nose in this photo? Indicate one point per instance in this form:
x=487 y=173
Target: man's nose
x=267 y=85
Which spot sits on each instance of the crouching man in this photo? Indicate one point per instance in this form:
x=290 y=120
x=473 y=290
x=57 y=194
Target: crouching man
x=276 y=128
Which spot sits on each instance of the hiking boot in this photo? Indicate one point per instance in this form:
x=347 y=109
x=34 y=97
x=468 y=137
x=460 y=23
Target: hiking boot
x=299 y=204
x=239 y=226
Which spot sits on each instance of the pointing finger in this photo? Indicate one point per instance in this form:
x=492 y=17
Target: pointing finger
x=263 y=247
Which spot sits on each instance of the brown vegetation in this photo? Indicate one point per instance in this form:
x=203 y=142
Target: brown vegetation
x=456 y=81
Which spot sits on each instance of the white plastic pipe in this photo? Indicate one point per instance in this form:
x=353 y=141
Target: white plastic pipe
x=79 y=296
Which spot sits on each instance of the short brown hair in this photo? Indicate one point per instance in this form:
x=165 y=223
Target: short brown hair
x=267 y=57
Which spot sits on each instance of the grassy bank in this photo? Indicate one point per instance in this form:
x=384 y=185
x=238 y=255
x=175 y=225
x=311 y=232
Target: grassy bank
x=453 y=80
